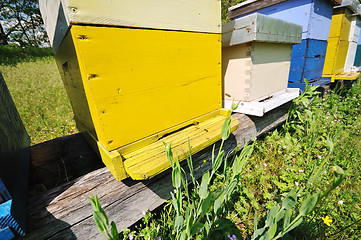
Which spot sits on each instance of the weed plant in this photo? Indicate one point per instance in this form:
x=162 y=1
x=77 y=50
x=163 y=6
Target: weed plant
x=301 y=182
x=40 y=98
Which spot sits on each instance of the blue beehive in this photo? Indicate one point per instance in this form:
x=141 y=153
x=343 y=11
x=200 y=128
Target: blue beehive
x=308 y=57
x=14 y=166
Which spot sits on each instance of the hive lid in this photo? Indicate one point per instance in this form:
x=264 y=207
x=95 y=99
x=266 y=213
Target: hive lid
x=260 y=28
x=353 y=5
x=180 y=15
x=255 y=5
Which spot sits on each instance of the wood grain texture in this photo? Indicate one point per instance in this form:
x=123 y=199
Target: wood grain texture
x=14 y=157
x=159 y=78
x=182 y=15
x=64 y=212
x=252 y=7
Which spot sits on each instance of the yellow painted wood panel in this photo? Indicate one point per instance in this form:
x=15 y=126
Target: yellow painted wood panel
x=67 y=62
x=183 y=15
x=167 y=77
x=337 y=46
x=151 y=160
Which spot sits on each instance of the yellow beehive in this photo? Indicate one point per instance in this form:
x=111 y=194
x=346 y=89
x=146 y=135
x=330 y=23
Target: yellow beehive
x=338 y=46
x=129 y=86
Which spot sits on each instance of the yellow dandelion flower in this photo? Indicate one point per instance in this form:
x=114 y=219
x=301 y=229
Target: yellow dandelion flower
x=204 y=161
x=327 y=220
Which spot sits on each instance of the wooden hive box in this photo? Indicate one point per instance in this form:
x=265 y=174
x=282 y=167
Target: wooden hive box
x=256 y=58
x=137 y=71
x=341 y=49
x=353 y=59
x=308 y=57
x=14 y=167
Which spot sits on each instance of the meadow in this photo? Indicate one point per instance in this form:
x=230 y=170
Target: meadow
x=300 y=181
x=40 y=97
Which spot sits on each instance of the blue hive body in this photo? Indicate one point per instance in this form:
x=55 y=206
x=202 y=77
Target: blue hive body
x=307 y=58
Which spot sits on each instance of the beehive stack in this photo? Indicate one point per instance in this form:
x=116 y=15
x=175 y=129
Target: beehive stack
x=256 y=60
x=342 y=42
x=308 y=57
x=135 y=71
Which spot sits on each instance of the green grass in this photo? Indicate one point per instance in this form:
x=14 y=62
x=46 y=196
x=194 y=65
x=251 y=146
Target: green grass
x=40 y=98
x=319 y=135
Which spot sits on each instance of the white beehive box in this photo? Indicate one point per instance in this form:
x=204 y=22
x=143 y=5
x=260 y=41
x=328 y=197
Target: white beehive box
x=256 y=54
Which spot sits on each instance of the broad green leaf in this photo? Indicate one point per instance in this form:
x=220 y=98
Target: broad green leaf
x=203 y=190
x=206 y=204
x=234 y=105
x=99 y=221
x=272 y=215
x=231 y=188
x=176 y=177
x=338 y=170
x=178 y=223
x=255 y=222
x=196 y=228
x=168 y=151
x=179 y=195
x=114 y=231
x=217 y=206
x=280 y=215
x=309 y=204
x=258 y=233
x=290 y=200
x=175 y=203
x=226 y=128
x=218 y=161
x=287 y=219
x=295 y=223
x=271 y=232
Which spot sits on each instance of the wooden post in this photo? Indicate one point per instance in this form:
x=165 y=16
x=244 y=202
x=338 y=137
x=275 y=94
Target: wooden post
x=14 y=164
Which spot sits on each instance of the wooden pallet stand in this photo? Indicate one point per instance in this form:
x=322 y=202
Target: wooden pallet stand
x=14 y=165
x=256 y=62
x=121 y=60
x=342 y=42
x=308 y=57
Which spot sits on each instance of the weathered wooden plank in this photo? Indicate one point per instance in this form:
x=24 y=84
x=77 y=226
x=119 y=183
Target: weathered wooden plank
x=14 y=162
x=251 y=6
x=64 y=212
x=182 y=15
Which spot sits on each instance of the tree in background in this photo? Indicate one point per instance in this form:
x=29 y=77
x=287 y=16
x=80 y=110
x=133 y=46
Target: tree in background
x=21 y=24
x=227 y=4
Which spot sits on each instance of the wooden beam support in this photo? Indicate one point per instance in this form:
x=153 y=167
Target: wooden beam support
x=251 y=7
x=64 y=212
